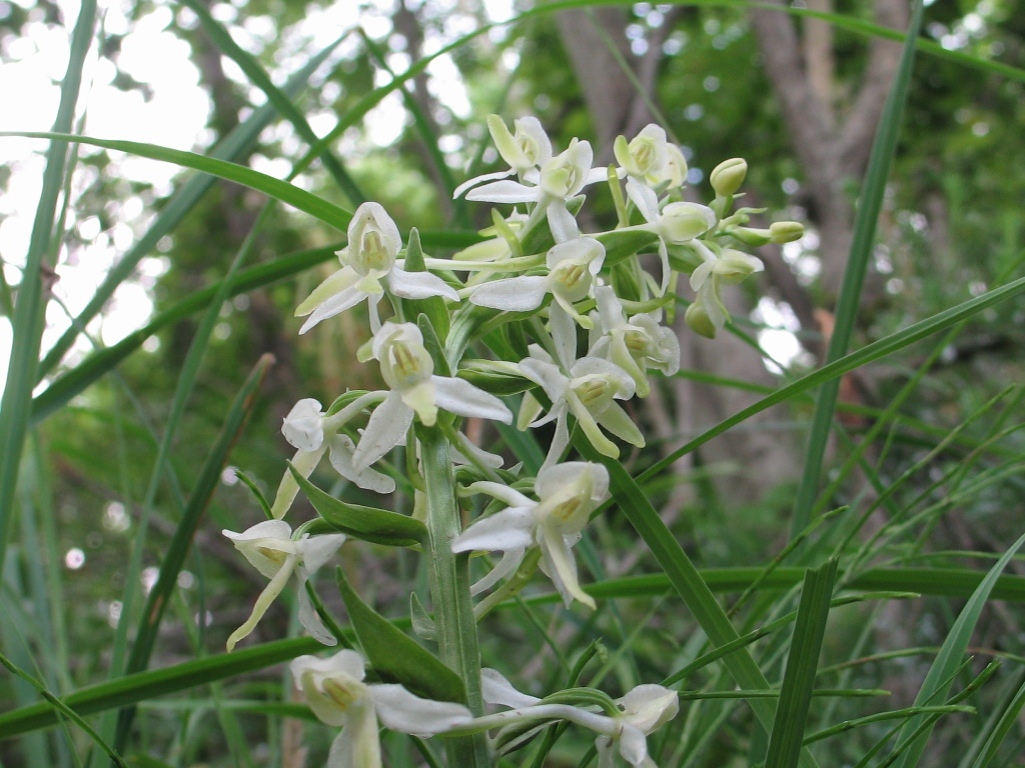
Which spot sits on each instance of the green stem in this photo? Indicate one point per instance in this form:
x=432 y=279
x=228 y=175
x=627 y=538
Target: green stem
x=450 y=590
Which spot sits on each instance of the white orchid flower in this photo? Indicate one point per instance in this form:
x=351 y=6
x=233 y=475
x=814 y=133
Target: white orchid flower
x=408 y=370
x=313 y=433
x=560 y=178
x=585 y=388
x=677 y=223
x=573 y=267
x=270 y=548
x=646 y=708
x=524 y=151
x=368 y=259
x=337 y=695
x=635 y=345
x=567 y=494
x=645 y=157
x=726 y=266
x=643 y=710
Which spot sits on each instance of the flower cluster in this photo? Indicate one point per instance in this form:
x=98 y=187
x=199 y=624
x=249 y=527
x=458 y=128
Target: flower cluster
x=575 y=322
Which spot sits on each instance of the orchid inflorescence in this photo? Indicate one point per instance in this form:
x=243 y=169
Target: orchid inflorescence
x=574 y=322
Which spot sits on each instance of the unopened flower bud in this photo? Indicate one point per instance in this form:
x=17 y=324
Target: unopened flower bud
x=682 y=222
x=786 y=231
x=698 y=320
x=727 y=177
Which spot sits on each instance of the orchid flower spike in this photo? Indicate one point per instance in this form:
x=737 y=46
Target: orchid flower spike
x=313 y=433
x=270 y=548
x=567 y=494
x=368 y=259
x=337 y=695
x=408 y=369
x=573 y=268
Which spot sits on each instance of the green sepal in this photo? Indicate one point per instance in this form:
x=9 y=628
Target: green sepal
x=484 y=375
x=620 y=244
x=433 y=344
x=378 y=526
x=433 y=307
x=395 y=656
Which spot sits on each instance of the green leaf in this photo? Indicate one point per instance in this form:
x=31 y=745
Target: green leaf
x=202 y=491
x=620 y=244
x=297 y=197
x=379 y=526
x=802 y=665
x=870 y=203
x=938 y=680
x=146 y=685
x=687 y=581
x=397 y=657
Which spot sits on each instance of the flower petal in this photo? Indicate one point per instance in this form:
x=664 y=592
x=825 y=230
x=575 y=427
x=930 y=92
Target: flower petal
x=497 y=690
x=342 y=450
x=334 y=305
x=405 y=712
x=512 y=528
x=309 y=617
x=387 y=428
x=271 y=591
x=462 y=398
x=304 y=462
x=480 y=179
x=561 y=566
x=338 y=282
x=511 y=294
x=419 y=285
x=505 y=192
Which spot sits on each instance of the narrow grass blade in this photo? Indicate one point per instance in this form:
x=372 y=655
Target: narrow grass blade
x=802 y=665
x=235 y=144
x=280 y=100
x=159 y=682
x=202 y=491
x=870 y=203
x=938 y=680
x=874 y=351
x=297 y=197
x=998 y=733
x=28 y=319
x=59 y=707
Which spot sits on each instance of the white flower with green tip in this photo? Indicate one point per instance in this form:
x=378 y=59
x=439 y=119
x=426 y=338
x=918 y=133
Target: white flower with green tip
x=270 y=548
x=643 y=710
x=718 y=267
x=313 y=433
x=524 y=151
x=573 y=268
x=677 y=223
x=369 y=266
x=408 y=369
x=560 y=178
x=635 y=345
x=586 y=388
x=645 y=156
x=337 y=695
x=567 y=494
